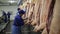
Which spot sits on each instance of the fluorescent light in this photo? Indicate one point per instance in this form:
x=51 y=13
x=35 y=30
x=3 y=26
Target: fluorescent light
x=12 y=1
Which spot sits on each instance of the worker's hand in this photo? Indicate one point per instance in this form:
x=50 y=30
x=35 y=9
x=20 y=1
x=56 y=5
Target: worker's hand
x=27 y=22
x=25 y=18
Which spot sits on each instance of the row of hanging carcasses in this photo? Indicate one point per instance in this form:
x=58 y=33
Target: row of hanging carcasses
x=37 y=12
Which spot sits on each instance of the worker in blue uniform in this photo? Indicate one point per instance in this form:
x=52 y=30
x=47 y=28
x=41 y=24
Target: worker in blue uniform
x=18 y=22
x=4 y=15
x=8 y=16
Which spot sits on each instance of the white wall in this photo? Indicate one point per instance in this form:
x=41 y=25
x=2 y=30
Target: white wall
x=12 y=9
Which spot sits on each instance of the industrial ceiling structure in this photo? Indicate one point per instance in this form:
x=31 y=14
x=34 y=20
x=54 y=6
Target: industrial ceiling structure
x=9 y=2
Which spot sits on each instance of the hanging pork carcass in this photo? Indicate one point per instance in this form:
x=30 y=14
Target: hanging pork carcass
x=35 y=13
x=43 y=15
x=46 y=7
x=55 y=25
x=49 y=18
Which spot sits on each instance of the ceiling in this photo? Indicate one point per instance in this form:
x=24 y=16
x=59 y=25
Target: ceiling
x=9 y=2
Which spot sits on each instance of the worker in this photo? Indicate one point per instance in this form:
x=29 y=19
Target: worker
x=18 y=22
x=4 y=15
x=8 y=16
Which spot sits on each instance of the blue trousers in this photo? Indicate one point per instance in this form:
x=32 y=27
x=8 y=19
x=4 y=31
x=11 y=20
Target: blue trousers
x=16 y=29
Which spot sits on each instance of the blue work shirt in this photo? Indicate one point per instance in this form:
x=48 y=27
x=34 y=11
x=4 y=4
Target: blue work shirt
x=18 y=21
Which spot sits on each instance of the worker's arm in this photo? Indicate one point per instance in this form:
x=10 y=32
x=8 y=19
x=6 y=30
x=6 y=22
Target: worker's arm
x=25 y=18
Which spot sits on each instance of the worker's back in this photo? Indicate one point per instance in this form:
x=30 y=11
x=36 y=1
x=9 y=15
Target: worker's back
x=18 y=21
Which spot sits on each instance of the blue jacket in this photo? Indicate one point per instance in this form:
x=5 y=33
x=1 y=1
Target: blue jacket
x=18 y=21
